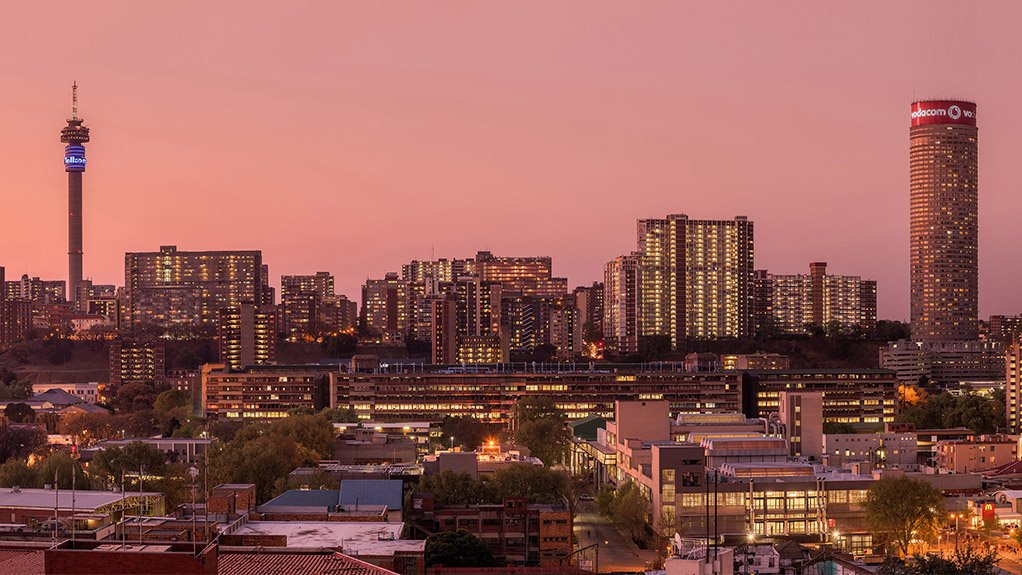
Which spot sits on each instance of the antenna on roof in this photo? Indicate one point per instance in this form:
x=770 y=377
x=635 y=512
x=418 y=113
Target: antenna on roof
x=74 y=101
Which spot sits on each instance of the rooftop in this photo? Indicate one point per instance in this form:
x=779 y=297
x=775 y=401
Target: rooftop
x=389 y=492
x=266 y=561
x=358 y=538
x=85 y=501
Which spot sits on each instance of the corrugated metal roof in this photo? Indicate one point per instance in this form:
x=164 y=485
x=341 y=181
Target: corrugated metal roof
x=387 y=492
x=256 y=563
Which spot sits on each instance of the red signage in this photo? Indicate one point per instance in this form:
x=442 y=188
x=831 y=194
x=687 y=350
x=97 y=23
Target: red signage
x=943 y=112
x=988 y=512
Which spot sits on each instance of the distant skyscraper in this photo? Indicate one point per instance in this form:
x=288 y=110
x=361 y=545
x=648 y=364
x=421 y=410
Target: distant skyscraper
x=695 y=278
x=944 y=225
x=74 y=135
x=620 y=304
x=818 y=298
x=171 y=288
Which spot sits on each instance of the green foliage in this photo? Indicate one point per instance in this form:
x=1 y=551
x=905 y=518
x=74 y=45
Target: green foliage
x=16 y=472
x=340 y=345
x=60 y=464
x=265 y=453
x=468 y=432
x=19 y=413
x=114 y=462
x=889 y=330
x=19 y=441
x=340 y=415
x=627 y=508
x=11 y=390
x=944 y=411
x=898 y=507
x=457 y=549
x=537 y=484
x=833 y=427
x=58 y=351
x=134 y=397
x=542 y=428
x=963 y=561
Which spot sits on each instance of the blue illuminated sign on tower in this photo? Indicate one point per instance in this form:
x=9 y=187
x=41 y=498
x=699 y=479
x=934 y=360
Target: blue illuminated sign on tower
x=74 y=159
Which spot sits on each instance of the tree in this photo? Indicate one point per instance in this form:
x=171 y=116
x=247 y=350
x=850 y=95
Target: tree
x=457 y=549
x=20 y=441
x=340 y=414
x=535 y=483
x=340 y=345
x=838 y=427
x=900 y=508
x=60 y=464
x=628 y=510
x=944 y=411
x=134 y=397
x=542 y=428
x=467 y=432
x=449 y=487
x=19 y=413
x=964 y=561
x=265 y=453
x=17 y=473
x=114 y=462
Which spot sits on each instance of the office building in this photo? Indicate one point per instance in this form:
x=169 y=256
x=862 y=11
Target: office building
x=801 y=414
x=944 y=363
x=265 y=392
x=944 y=227
x=977 y=453
x=247 y=335
x=865 y=398
x=187 y=290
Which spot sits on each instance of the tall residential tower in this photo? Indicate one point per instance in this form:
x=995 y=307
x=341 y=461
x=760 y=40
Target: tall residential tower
x=74 y=135
x=944 y=183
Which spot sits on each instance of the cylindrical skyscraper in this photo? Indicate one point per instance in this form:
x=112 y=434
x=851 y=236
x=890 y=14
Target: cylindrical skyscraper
x=944 y=183
x=74 y=135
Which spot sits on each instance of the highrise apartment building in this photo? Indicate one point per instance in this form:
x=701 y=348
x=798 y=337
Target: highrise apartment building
x=944 y=186
x=310 y=307
x=1013 y=386
x=694 y=278
x=621 y=304
x=171 y=288
x=820 y=299
x=137 y=362
x=247 y=335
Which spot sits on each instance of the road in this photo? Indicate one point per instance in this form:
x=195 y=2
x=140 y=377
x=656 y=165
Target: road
x=617 y=552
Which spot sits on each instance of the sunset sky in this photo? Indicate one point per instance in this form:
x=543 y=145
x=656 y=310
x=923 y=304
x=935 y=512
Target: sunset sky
x=354 y=138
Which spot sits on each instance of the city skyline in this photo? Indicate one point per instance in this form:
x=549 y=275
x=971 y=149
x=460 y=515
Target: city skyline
x=558 y=152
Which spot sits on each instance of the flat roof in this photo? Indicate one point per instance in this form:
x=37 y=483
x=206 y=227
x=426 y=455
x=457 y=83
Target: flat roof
x=45 y=498
x=367 y=538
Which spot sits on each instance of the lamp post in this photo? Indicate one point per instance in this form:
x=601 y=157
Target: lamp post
x=194 y=472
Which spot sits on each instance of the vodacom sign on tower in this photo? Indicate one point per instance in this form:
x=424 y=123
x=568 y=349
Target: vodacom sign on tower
x=943 y=112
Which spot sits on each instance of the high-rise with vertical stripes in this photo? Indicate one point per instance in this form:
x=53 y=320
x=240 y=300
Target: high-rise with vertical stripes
x=944 y=185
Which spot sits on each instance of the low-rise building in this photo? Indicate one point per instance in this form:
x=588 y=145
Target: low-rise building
x=976 y=453
x=515 y=531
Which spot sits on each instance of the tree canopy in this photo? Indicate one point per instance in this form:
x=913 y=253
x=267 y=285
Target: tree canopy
x=963 y=561
x=457 y=549
x=945 y=410
x=535 y=483
x=542 y=428
x=899 y=509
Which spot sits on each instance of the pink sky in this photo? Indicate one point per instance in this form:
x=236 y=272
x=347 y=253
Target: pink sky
x=352 y=138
